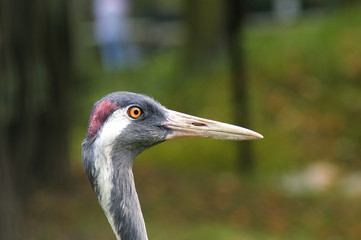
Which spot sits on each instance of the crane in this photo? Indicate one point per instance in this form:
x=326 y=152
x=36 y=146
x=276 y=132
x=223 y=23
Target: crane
x=121 y=126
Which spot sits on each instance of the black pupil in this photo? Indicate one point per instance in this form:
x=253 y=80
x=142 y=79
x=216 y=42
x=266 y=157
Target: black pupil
x=136 y=112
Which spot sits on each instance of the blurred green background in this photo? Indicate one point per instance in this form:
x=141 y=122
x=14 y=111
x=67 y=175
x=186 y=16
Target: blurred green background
x=295 y=65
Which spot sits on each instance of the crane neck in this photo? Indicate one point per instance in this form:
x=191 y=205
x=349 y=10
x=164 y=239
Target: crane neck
x=111 y=176
x=125 y=214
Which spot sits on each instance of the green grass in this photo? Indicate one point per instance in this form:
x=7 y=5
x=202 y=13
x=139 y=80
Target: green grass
x=197 y=205
x=209 y=231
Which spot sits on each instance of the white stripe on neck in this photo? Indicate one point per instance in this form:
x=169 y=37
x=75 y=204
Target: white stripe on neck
x=103 y=163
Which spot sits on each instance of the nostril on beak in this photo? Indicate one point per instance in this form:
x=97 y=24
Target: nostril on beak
x=199 y=124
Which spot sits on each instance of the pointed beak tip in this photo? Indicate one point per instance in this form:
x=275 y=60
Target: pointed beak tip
x=259 y=136
x=185 y=126
x=253 y=136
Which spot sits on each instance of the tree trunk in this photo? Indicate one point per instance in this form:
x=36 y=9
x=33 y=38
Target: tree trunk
x=36 y=74
x=204 y=39
x=239 y=84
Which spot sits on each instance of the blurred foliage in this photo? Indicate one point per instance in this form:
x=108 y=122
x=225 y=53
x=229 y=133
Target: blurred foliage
x=305 y=96
x=198 y=205
x=304 y=90
x=307 y=81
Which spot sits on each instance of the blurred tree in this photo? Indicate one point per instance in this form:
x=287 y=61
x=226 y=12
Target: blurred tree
x=204 y=22
x=235 y=15
x=36 y=74
x=212 y=27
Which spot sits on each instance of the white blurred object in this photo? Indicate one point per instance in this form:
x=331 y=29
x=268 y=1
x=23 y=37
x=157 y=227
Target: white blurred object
x=110 y=20
x=316 y=178
x=112 y=32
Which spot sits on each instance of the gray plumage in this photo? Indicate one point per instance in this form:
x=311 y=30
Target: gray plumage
x=121 y=126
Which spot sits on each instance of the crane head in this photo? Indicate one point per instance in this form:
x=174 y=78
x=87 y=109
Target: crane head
x=122 y=125
x=136 y=122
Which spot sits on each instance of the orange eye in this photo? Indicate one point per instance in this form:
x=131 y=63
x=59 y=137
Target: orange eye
x=134 y=112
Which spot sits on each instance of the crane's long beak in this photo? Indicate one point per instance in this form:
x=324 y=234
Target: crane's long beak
x=183 y=126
